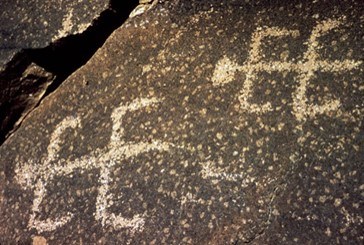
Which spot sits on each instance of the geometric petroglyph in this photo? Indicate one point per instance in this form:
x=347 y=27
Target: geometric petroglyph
x=226 y=70
x=37 y=176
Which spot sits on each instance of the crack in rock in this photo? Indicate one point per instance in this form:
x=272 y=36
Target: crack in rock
x=35 y=73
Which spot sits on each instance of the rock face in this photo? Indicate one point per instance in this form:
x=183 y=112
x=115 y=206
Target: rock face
x=20 y=93
x=57 y=37
x=200 y=122
x=35 y=23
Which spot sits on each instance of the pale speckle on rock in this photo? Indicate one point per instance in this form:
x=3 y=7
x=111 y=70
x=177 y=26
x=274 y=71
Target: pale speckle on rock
x=39 y=240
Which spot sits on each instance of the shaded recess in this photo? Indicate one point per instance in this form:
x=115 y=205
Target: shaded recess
x=22 y=90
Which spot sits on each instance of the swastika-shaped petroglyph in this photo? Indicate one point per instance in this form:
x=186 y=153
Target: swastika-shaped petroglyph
x=226 y=70
x=37 y=176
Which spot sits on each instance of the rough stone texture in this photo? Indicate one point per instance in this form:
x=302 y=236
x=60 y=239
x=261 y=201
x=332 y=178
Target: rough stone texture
x=20 y=94
x=29 y=24
x=200 y=122
x=33 y=25
x=58 y=37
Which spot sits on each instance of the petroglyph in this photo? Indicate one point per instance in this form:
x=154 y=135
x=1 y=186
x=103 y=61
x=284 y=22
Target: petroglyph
x=37 y=176
x=306 y=70
x=209 y=171
x=226 y=70
x=254 y=64
x=66 y=26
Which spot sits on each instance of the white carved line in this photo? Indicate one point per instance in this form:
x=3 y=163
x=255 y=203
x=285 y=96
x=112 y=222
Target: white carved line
x=254 y=64
x=209 y=171
x=102 y=159
x=226 y=70
x=48 y=224
x=26 y=174
x=103 y=201
x=301 y=108
x=118 y=114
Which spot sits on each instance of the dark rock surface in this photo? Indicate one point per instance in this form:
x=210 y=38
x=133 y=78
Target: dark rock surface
x=29 y=24
x=21 y=92
x=222 y=122
x=56 y=36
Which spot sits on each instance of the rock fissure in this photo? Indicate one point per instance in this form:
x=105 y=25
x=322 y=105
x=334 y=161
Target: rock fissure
x=23 y=88
x=277 y=190
x=194 y=124
x=268 y=220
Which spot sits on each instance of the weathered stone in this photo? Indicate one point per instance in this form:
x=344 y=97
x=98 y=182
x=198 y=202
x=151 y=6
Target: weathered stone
x=19 y=95
x=32 y=25
x=199 y=122
x=29 y=24
x=56 y=36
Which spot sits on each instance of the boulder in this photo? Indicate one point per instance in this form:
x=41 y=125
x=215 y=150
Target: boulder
x=222 y=122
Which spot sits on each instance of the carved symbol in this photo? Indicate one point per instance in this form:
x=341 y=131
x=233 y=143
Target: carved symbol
x=226 y=69
x=29 y=174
